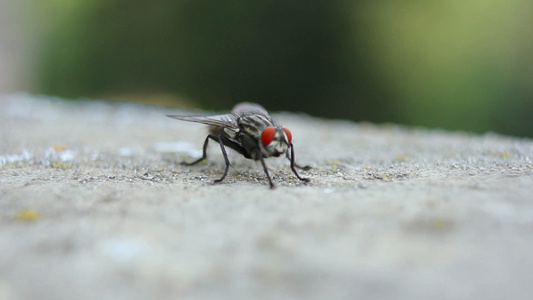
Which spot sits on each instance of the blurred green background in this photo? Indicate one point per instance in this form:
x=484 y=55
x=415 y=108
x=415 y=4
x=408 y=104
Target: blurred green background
x=456 y=64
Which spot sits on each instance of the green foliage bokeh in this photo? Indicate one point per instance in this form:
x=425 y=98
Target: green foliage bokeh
x=453 y=65
x=287 y=55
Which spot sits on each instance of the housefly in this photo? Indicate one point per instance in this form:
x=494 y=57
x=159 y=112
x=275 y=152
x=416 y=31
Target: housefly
x=251 y=131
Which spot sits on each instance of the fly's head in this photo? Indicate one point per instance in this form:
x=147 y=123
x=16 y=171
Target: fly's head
x=275 y=141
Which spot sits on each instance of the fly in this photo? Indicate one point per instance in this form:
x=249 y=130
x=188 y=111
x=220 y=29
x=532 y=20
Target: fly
x=250 y=130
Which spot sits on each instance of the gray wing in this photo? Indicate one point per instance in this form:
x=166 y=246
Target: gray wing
x=247 y=108
x=225 y=120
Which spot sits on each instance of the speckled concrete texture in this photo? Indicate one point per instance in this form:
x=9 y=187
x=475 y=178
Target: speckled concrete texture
x=94 y=204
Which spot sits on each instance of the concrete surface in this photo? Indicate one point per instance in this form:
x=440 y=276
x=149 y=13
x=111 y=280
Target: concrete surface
x=95 y=205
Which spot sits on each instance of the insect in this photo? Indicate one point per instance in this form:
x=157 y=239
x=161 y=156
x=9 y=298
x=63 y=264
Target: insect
x=250 y=130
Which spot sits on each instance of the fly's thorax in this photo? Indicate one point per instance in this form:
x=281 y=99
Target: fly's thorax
x=254 y=125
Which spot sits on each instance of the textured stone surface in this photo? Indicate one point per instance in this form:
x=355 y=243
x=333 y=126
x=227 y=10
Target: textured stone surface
x=95 y=205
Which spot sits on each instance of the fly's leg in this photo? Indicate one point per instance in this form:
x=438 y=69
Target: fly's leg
x=305 y=168
x=219 y=139
x=265 y=168
x=260 y=155
x=204 y=153
x=293 y=166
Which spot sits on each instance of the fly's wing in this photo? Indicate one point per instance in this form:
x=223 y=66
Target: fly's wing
x=247 y=108
x=226 y=121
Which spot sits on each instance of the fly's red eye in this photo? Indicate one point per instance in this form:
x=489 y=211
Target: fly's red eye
x=268 y=135
x=289 y=134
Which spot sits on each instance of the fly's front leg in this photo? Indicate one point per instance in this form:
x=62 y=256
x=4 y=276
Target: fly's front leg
x=260 y=155
x=293 y=166
x=305 y=168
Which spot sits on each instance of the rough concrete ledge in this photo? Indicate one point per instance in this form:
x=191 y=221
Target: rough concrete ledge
x=95 y=205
